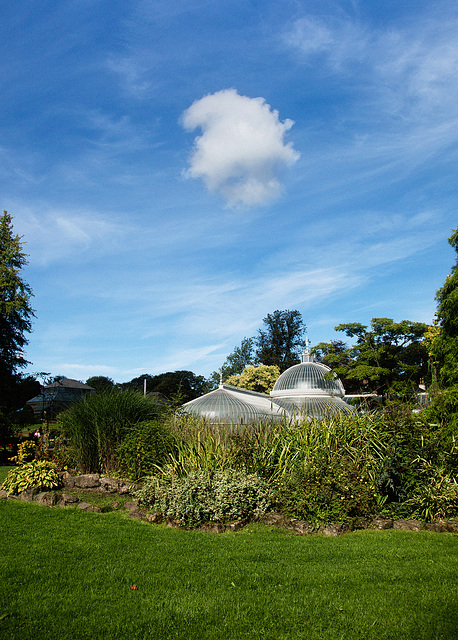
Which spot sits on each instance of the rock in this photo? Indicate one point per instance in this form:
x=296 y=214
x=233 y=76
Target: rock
x=138 y=515
x=3 y=494
x=114 y=505
x=87 y=481
x=125 y=488
x=382 y=523
x=438 y=525
x=174 y=524
x=236 y=526
x=213 y=527
x=27 y=495
x=336 y=529
x=110 y=485
x=131 y=505
x=272 y=518
x=408 y=525
x=66 y=499
x=48 y=498
x=155 y=518
x=67 y=480
x=86 y=506
x=304 y=528
x=452 y=526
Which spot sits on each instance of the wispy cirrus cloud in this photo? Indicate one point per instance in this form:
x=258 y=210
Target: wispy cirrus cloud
x=410 y=68
x=242 y=148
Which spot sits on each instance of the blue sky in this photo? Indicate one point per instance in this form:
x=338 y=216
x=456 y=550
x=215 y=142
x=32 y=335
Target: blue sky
x=179 y=170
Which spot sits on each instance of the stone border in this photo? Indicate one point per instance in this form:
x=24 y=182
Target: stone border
x=95 y=483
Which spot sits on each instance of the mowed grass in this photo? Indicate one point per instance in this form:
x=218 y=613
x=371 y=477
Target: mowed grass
x=67 y=574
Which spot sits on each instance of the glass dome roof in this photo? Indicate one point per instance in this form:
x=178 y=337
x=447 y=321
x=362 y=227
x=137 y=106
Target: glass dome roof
x=314 y=406
x=307 y=379
x=221 y=406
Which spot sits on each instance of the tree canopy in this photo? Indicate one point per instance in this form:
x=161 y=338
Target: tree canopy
x=16 y=315
x=100 y=383
x=281 y=341
x=235 y=362
x=261 y=378
x=177 y=386
x=443 y=335
x=16 y=312
x=388 y=357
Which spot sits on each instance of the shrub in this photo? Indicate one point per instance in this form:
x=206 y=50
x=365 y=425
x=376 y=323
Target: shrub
x=434 y=494
x=98 y=423
x=38 y=473
x=200 y=497
x=329 y=490
x=144 y=448
x=25 y=452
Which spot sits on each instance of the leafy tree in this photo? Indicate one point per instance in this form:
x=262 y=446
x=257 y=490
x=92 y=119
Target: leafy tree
x=281 y=341
x=100 y=383
x=16 y=316
x=261 y=378
x=444 y=334
x=234 y=364
x=390 y=357
x=177 y=386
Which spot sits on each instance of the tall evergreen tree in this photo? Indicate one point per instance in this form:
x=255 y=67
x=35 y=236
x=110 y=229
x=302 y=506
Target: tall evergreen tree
x=281 y=342
x=16 y=312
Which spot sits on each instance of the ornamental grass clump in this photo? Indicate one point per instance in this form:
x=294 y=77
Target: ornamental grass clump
x=97 y=424
x=201 y=497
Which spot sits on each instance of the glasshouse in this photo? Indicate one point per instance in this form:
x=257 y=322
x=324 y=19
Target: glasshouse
x=305 y=390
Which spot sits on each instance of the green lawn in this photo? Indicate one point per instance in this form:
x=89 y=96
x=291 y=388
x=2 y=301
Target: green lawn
x=66 y=574
x=4 y=472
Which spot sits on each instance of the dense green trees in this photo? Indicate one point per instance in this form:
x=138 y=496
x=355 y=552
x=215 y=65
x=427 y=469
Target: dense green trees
x=235 y=363
x=177 y=386
x=100 y=383
x=389 y=357
x=261 y=378
x=444 y=335
x=281 y=341
x=16 y=315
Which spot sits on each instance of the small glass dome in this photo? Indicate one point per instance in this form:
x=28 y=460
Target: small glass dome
x=307 y=378
x=221 y=406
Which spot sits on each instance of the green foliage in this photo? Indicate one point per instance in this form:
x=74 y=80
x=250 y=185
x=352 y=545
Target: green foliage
x=41 y=474
x=200 y=497
x=390 y=358
x=443 y=335
x=16 y=316
x=282 y=340
x=234 y=364
x=434 y=494
x=98 y=423
x=176 y=386
x=330 y=489
x=144 y=448
x=15 y=296
x=25 y=452
x=100 y=383
x=261 y=378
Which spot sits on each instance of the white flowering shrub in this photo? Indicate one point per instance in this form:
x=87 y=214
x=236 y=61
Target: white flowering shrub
x=199 y=497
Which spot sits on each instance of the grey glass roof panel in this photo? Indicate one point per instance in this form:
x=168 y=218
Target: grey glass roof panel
x=308 y=378
x=314 y=406
x=222 y=406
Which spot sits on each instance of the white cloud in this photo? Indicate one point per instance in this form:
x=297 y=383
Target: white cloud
x=58 y=234
x=412 y=68
x=242 y=147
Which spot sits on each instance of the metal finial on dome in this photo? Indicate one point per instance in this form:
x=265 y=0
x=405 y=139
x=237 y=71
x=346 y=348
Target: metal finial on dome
x=306 y=357
x=220 y=378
